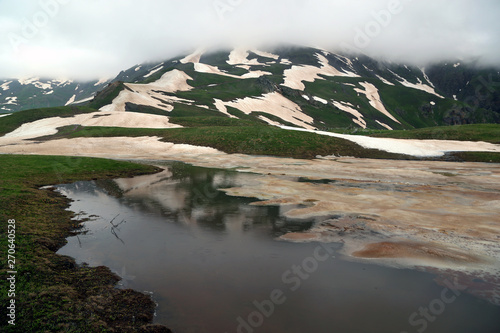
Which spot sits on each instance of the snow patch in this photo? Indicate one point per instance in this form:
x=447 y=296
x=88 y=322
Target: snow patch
x=61 y=82
x=116 y=147
x=28 y=81
x=418 y=86
x=84 y=100
x=427 y=78
x=295 y=76
x=5 y=115
x=154 y=71
x=49 y=92
x=266 y=54
x=137 y=68
x=151 y=94
x=384 y=125
x=269 y=121
x=48 y=126
x=346 y=108
x=208 y=69
x=71 y=100
x=5 y=86
x=272 y=103
x=239 y=56
x=11 y=100
x=321 y=100
x=44 y=86
x=194 y=57
x=384 y=80
x=418 y=148
x=373 y=96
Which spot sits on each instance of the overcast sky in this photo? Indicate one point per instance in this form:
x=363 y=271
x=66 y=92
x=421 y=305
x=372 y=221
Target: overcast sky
x=87 y=39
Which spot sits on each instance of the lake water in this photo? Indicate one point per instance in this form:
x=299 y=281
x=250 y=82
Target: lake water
x=213 y=264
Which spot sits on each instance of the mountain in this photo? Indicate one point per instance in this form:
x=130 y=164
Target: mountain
x=23 y=94
x=295 y=86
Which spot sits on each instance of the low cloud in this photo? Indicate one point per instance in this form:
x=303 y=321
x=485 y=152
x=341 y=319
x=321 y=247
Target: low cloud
x=93 y=39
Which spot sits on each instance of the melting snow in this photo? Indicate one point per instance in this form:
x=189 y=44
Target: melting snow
x=427 y=78
x=384 y=125
x=194 y=57
x=71 y=100
x=61 y=82
x=418 y=148
x=154 y=71
x=295 y=76
x=385 y=81
x=11 y=100
x=418 y=86
x=266 y=54
x=321 y=100
x=373 y=96
x=269 y=121
x=239 y=56
x=28 y=81
x=83 y=100
x=272 y=103
x=204 y=68
x=151 y=94
x=5 y=86
x=41 y=85
x=346 y=108
x=48 y=126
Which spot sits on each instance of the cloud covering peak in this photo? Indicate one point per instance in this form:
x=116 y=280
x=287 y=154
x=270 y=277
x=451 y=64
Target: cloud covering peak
x=87 y=39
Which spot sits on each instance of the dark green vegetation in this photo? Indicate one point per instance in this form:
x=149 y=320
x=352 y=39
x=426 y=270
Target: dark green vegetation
x=52 y=293
x=253 y=140
x=107 y=95
x=476 y=157
x=15 y=120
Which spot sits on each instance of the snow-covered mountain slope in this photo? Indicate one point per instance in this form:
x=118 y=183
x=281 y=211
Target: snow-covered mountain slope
x=304 y=87
x=23 y=94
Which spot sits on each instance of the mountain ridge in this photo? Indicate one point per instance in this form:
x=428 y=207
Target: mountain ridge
x=305 y=87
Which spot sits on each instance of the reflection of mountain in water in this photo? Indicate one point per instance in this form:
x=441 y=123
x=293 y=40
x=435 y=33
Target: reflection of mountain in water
x=191 y=196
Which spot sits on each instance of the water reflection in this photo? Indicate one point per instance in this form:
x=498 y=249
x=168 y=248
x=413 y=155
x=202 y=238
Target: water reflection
x=209 y=258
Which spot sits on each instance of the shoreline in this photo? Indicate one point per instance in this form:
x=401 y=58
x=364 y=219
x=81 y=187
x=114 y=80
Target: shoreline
x=54 y=294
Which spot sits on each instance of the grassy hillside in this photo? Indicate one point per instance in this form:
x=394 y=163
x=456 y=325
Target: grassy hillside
x=254 y=140
x=52 y=294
